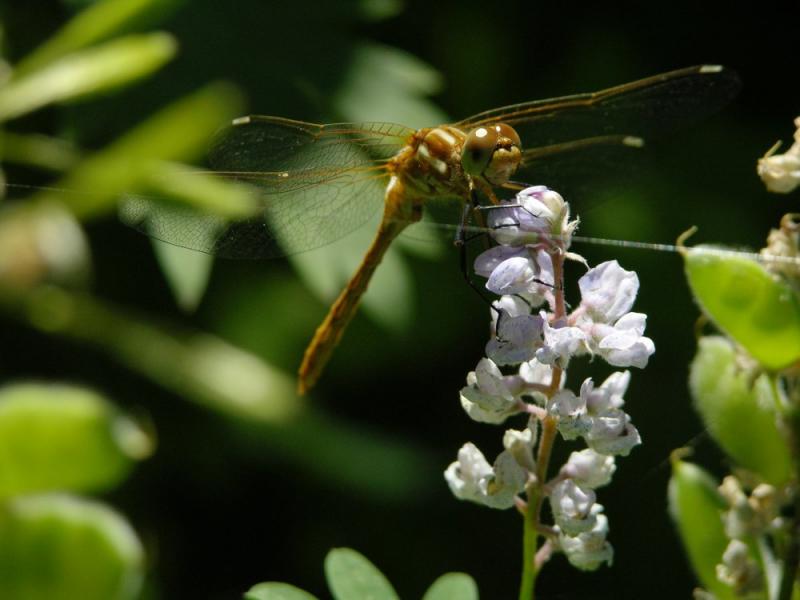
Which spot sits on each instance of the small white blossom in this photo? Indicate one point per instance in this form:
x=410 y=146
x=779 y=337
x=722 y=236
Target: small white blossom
x=613 y=433
x=570 y=410
x=519 y=271
x=488 y=397
x=608 y=396
x=572 y=507
x=739 y=570
x=608 y=291
x=472 y=478
x=488 y=260
x=519 y=444
x=509 y=480
x=535 y=373
x=535 y=215
x=624 y=345
x=781 y=172
x=589 y=469
x=467 y=477
x=517 y=275
x=516 y=340
x=560 y=343
x=588 y=550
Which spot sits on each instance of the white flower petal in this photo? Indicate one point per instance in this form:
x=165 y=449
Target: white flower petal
x=516 y=275
x=608 y=291
x=589 y=469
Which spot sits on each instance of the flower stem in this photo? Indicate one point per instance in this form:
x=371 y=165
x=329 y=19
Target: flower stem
x=535 y=488
x=530 y=538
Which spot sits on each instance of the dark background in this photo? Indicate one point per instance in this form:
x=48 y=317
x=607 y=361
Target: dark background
x=224 y=504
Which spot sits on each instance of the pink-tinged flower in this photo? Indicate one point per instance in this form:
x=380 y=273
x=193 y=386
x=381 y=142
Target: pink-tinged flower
x=608 y=292
x=535 y=216
x=613 y=433
x=516 y=340
x=608 y=396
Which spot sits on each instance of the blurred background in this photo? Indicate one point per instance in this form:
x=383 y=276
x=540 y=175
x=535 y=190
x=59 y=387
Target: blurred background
x=247 y=483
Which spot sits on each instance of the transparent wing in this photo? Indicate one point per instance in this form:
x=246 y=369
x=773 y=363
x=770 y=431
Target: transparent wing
x=311 y=184
x=640 y=108
x=574 y=143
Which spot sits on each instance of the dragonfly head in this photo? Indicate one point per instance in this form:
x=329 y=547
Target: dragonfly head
x=492 y=152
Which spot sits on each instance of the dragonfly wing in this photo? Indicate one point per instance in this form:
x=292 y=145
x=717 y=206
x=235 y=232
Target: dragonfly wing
x=640 y=108
x=311 y=185
x=579 y=144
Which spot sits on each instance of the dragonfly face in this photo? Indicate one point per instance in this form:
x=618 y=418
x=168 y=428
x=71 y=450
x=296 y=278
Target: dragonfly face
x=492 y=152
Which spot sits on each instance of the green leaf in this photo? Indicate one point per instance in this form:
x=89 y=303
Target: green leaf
x=198 y=366
x=95 y=24
x=65 y=548
x=695 y=505
x=37 y=151
x=757 y=309
x=271 y=590
x=92 y=71
x=453 y=586
x=352 y=577
x=387 y=84
x=740 y=414
x=187 y=272
x=59 y=437
x=181 y=131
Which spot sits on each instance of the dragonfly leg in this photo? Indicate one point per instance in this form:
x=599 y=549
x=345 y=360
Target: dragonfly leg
x=461 y=243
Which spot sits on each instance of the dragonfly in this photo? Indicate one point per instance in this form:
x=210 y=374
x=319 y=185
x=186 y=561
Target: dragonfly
x=316 y=183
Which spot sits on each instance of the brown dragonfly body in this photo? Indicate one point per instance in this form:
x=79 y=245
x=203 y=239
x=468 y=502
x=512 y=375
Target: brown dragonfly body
x=429 y=166
x=315 y=183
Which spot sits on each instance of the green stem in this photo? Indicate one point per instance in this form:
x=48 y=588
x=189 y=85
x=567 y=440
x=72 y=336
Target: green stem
x=530 y=539
x=530 y=535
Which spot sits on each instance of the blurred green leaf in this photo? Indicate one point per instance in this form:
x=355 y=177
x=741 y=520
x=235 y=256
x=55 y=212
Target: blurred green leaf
x=352 y=577
x=695 y=506
x=453 y=586
x=95 y=24
x=58 y=437
x=386 y=84
x=272 y=590
x=37 y=151
x=202 y=190
x=740 y=414
x=757 y=309
x=181 y=131
x=92 y=71
x=66 y=548
x=378 y=10
x=187 y=272
x=198 y=366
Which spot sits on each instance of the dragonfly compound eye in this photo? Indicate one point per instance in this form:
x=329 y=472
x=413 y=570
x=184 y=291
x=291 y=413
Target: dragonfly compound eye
x=492 y=153
x=478 y=150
